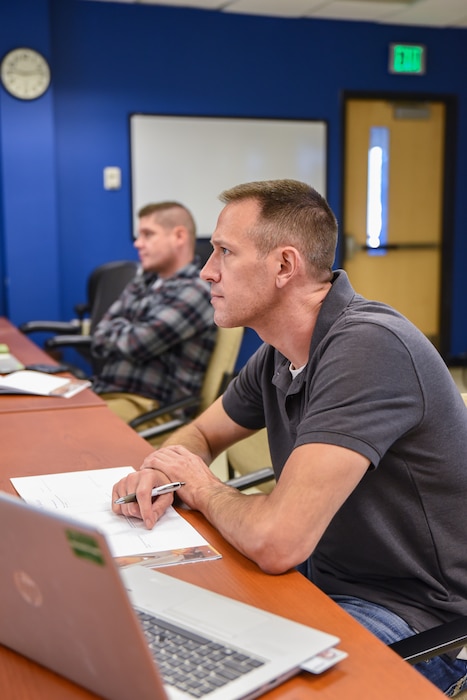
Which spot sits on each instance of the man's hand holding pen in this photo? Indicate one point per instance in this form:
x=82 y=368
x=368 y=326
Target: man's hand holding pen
x=174 y=469
x=157 y=491
x=144 y=495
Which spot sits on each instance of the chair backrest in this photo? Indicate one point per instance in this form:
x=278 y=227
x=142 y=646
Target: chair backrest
x=250 y=455
x=221 y=365
x=105 y=285
x=203 y=250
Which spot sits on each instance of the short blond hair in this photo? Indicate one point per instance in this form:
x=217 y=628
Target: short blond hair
x=291 y=213
x=170 y=214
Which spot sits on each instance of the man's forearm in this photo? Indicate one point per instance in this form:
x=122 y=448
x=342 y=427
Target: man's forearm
x=193 y=439
x=246 y=522
x=106 y=335
x=239 y=518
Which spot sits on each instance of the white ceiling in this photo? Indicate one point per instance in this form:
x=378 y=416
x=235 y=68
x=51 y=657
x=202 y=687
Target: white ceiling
x=427 y=13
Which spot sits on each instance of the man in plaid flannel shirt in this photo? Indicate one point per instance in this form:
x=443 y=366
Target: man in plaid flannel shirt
x=155 y=341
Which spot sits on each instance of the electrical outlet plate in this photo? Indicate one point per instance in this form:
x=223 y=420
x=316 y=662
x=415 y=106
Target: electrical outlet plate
x=112 y=178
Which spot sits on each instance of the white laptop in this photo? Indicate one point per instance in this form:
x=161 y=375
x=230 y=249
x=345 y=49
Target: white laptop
x=66 y=605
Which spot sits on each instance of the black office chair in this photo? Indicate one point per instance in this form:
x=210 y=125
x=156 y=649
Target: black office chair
x=203 y=250
x=433 y=642
x=105 y=285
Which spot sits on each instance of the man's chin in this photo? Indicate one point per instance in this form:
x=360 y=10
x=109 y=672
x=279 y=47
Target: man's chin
x=147 y=268
x=223 y=320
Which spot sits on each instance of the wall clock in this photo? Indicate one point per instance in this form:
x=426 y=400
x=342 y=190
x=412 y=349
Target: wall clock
x=25 y=73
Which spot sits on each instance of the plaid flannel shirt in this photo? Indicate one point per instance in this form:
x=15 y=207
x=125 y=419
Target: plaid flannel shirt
x=157 y=338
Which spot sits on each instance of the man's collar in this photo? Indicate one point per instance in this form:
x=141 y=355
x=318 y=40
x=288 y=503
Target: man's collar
x=338 y=298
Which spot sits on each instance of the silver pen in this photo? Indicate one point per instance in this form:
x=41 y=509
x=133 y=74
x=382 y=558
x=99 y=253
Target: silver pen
x=157 y=491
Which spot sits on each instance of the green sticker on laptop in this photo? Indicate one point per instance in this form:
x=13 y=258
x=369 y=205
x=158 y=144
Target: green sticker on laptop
x=85 y=546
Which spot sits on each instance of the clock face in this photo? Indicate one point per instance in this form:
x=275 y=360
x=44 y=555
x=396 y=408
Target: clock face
x=25 y=73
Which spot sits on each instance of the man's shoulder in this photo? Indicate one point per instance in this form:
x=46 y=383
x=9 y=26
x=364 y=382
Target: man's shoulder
x=347 y=308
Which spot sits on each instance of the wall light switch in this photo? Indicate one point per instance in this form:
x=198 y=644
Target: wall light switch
x=112 y=178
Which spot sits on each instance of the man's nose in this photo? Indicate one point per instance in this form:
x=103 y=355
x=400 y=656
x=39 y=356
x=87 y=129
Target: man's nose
x=207 y=272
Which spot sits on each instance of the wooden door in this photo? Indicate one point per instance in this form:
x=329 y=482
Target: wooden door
x=405 y=270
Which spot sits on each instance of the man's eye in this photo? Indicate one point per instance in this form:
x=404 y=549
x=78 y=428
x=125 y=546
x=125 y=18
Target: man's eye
x=225 y=251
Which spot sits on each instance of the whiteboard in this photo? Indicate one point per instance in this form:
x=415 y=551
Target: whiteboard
x=193 y=159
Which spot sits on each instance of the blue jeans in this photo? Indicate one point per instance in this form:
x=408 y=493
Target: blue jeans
x=449 y=675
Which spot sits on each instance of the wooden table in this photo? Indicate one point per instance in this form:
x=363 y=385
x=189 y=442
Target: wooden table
x=28 y=353
x=37 y=442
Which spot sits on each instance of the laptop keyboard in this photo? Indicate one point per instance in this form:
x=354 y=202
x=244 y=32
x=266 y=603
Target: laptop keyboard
x=190 y=662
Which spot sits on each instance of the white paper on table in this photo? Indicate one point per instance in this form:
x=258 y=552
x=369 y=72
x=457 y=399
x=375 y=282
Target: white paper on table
x=41 y=384
x=86 y=495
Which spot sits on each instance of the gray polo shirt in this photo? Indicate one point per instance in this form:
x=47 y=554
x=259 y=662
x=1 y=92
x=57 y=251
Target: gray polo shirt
x=376 y=385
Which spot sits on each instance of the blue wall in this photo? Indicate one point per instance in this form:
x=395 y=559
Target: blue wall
x=28 y=203
x=109 y=60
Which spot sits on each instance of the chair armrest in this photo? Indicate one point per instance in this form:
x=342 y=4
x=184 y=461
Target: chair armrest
x=260 y=476
x=188 y=402
x=74 y=341
x=157 y=430
x=57 y=327
x=81 y=310
x=433 y=642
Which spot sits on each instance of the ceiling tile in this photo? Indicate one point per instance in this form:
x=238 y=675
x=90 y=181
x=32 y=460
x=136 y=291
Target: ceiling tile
x=276 y=8
x=430 y=13
x=201 y=4
x=361 y=10
x=440 y=13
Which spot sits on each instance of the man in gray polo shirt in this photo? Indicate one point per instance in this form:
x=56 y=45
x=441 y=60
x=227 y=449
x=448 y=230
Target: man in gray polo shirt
x=367 y=430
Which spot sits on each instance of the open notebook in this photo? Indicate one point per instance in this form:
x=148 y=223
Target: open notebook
x=66 y=605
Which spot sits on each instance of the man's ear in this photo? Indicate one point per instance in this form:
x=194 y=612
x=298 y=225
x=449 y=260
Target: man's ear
x=181 y=234
x=288 y=261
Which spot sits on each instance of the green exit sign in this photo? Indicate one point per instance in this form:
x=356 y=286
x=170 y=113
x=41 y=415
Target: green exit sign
x=408 y=59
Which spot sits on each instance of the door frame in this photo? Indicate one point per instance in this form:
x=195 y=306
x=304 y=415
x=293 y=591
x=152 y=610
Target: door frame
x=448 y=195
